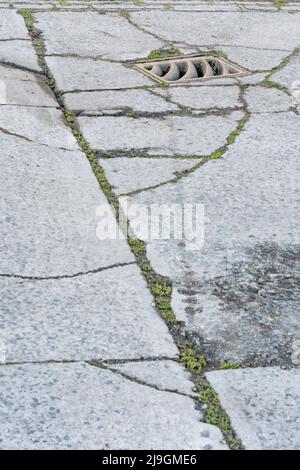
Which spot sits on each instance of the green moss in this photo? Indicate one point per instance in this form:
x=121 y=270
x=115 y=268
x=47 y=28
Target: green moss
x=215 y=415
x=272 y=84
x=161 y=289
x=168 y=6
x=229 y=365
x=162 y=53
x=28 y=18
x=233 y=136
x=138 y=247
x=280 y=3
x=194 y=363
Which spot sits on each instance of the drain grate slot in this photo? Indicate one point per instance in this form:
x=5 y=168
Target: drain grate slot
x=186 y=69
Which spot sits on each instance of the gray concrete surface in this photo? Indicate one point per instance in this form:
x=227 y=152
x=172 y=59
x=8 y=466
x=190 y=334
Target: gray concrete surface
x=69 y=297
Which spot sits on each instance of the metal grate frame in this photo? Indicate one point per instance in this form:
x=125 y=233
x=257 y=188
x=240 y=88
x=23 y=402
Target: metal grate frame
x=186 y=69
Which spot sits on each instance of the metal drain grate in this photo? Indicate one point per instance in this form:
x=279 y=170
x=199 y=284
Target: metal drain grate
x=188 y=69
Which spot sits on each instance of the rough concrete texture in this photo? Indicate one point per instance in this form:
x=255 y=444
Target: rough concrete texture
x=42 y=125
x=19 y=53
x=238 y=294
x=140 y=101
x=205 y=97
x=77 y=406
x=246 y=29
x=165 y=375
x=173 y=135
x=105 y=315
x=267 y=100
x=95 y=35
x=48 y=207
x=75 y=74
x=131 y=174
x=25 y=89
x=263 y=405
x=12 y=26
x=289 y=74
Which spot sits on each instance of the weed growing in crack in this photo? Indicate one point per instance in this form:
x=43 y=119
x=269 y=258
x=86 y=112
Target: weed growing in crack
x=163 y=53
x=193 y=362
x=160 y=286
x=215 y=415
x=229 y=365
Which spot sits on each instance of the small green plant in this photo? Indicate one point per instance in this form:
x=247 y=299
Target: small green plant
x=161 y=53
x=229 y=365
x=194 y=363
x=168 y=6
x=216 y=416
x=161 y=289
x=280 y=3
x=28 y=18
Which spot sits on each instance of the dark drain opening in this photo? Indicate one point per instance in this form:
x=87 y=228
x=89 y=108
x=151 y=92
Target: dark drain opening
x=185 y=69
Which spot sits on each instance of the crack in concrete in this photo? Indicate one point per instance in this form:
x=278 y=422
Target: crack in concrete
x=131 y=378
x=65 y=276
x=22 y=68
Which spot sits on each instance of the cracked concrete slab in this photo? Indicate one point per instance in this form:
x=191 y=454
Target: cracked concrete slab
x=12 y=26
x=131 y=174
x=173 y=135
x=77 y=74
x=104 y=315
x=289 y=74
x=238 y=294
x=116 y=101
x=20 y=53
x=253 y=59
x=93 y=35
x=263 y=405
x=164 y=374
x=40 y=125
x=24 y=89
x=267 y=100
x=77 y=406
x=248 y=29
x=205 y=97
x=48 y=213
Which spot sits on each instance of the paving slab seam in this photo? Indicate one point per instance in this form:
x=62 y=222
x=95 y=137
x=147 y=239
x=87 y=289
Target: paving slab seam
x=160 y=286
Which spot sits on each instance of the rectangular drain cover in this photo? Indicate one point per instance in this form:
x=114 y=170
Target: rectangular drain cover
x=188 y=69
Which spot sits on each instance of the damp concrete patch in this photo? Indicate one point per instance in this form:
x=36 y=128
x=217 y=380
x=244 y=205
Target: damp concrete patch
x=173 y=135
x=105 y=315
x=77 y=406
x=263 y=405
x=24 y=89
